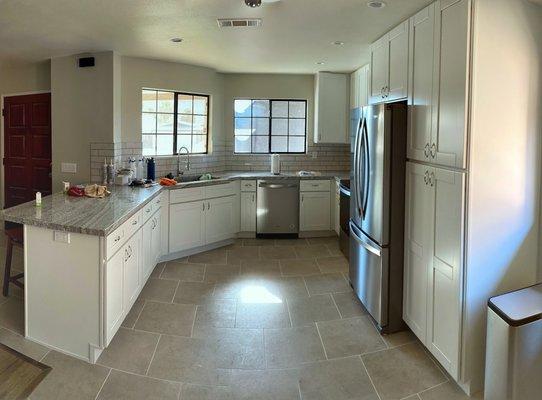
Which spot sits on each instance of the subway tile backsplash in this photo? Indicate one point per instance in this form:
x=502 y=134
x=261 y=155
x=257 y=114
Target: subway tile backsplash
x=328 y=157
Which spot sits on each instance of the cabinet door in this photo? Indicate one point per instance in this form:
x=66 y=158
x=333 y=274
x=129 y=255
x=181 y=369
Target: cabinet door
x=446 y=268
x=219 y=219
x=146 y=251
x=420 y=97
x=354 y=86
x=331 y=108
x=156 y=242
x=363 y=85
x=451 y=77
x=131 y=253
x=418 y=211
x=315 y=211
x=186 y=226
x=380 y=61
x=248 y=212
x=114 y=300
x=398 y=63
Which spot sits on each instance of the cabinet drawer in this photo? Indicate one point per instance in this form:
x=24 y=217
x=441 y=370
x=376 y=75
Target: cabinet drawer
x=315 y=186
x=156 y=203
x=248 y=186
x=119 y=236
x=146 y=212
x=185 y=195
x=227 y=189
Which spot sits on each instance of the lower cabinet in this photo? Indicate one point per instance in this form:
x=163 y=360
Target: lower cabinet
x=314 y=211
x=151 y=244
x=197 y=223
x=186 y=226
x=248 y=212
x=433 y=260
x=123 y=283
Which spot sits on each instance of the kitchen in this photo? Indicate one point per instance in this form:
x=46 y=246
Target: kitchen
x=234 y=281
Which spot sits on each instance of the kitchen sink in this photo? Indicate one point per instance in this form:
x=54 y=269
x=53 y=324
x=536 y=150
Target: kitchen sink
x=192 y=178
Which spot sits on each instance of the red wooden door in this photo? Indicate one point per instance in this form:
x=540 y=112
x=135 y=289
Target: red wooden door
x=27 y=147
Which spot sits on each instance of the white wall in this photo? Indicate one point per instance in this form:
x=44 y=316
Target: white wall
x=20 y=79
x=505 y=153
x=138 y=73
x=84 y=109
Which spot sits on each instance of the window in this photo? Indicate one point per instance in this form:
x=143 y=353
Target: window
x=270 y=126
x=171 y=120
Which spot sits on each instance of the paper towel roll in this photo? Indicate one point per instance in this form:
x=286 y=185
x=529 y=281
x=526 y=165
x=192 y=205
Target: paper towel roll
x=275 y=164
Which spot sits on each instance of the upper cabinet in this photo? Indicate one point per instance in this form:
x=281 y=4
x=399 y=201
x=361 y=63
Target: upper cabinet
x=389 y=66
x=439 y=54
x=359 y=87
x=420 y=91
x=331 y=108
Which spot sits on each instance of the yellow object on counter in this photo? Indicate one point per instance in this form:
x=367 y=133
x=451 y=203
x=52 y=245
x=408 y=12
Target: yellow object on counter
x=97 y=191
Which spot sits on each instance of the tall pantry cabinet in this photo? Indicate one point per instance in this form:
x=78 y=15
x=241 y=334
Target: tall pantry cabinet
x=472 y=191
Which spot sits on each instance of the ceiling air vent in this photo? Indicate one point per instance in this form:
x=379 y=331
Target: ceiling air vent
x=239 y=22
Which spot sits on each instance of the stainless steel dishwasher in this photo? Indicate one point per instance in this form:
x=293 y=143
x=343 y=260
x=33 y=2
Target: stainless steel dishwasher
x=278 y=207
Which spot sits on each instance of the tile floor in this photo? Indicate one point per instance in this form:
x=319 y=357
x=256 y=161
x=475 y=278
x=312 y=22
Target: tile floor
x=259 y=319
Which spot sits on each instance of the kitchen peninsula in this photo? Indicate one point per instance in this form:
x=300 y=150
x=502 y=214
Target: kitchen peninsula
x=90 y=258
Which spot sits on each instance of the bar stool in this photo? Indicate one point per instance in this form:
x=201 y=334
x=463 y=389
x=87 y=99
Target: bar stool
x=15 y=237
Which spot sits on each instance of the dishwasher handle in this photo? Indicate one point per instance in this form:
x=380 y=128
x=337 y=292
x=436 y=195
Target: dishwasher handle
x=277 y=185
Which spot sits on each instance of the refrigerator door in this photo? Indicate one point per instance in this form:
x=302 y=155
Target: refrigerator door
x=369 y=274
x=373 y=171
x=356 y=119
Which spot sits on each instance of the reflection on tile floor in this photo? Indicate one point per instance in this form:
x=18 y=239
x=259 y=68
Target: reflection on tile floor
x=258 y=319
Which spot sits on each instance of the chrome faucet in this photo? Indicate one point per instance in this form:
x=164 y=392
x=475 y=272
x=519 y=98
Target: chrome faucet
x=179 y=172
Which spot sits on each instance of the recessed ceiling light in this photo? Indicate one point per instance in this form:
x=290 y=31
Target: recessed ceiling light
x=320 y=63
x=376 y=4
x=253 y=3
x=338 y=43
x=176 y=40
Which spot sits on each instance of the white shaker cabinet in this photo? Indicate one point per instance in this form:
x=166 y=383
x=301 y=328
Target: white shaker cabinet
x=314 y=211
x=359 y=87
x=220 y=219
x=331 y=108
x=420 y=93
x=131 y=254
x=389 y=66
x=114 y=296
x=248 y=212
x=418 y=238
x=433 y=254
x=151 y=243
x=451 y=74
x=156 y=239
x=186 y=225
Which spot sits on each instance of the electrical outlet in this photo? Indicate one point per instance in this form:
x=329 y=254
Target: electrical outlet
x=62 y=237
x=68 y=168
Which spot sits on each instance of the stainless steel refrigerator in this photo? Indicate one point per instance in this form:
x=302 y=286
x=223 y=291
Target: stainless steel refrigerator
x=377 y=203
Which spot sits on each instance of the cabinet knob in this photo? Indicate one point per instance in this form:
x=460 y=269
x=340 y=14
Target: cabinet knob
x=433 y=150
x=426 y=150
x=134 y=222
x=426 y=177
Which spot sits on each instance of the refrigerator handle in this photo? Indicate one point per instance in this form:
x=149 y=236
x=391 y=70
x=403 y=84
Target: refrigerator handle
x=366 y=172
x=363 y=242
x=357 y=185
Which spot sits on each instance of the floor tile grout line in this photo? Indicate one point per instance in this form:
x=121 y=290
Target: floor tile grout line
x=433 y=387
x=369 y=376
x=175 y=292
x=336 y=306
x=194 y=320
x=321 y=341
x=103 y=384
x=45 y=355
x=139 y=375
x=163 y=269
x=139 y=314
x=289 y=313
x=153 y=354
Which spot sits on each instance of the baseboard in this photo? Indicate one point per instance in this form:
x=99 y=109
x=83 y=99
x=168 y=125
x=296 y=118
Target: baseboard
x=195 y=250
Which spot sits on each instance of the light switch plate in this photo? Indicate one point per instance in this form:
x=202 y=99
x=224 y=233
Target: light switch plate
x=69 y=167
x=62 y=237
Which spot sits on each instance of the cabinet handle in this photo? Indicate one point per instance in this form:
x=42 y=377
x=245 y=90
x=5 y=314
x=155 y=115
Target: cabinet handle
x=148 y=210
x=208 y=206
x=117 y=238
x=134 y=222
x=432 y=179
x=433 y=150
x=426 y=177
x=302 y=198
x=203 y=206
x=158 y=202
x=253 y=198
x=426 y=150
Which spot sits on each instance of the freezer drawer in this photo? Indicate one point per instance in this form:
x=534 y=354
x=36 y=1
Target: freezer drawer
x=369 y=274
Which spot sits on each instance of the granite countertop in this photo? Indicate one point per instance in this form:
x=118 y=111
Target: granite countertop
x=102 y=216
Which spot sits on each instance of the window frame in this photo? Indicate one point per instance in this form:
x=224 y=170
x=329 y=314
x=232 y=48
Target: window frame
x=176 y=95
x=269 y=135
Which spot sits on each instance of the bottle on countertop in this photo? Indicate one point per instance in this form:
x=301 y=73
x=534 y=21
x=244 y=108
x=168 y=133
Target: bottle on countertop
x=111 y=172
x=105 y=172
x=151 y=169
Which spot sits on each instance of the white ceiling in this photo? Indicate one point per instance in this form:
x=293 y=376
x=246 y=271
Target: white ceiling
x=295 y=33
